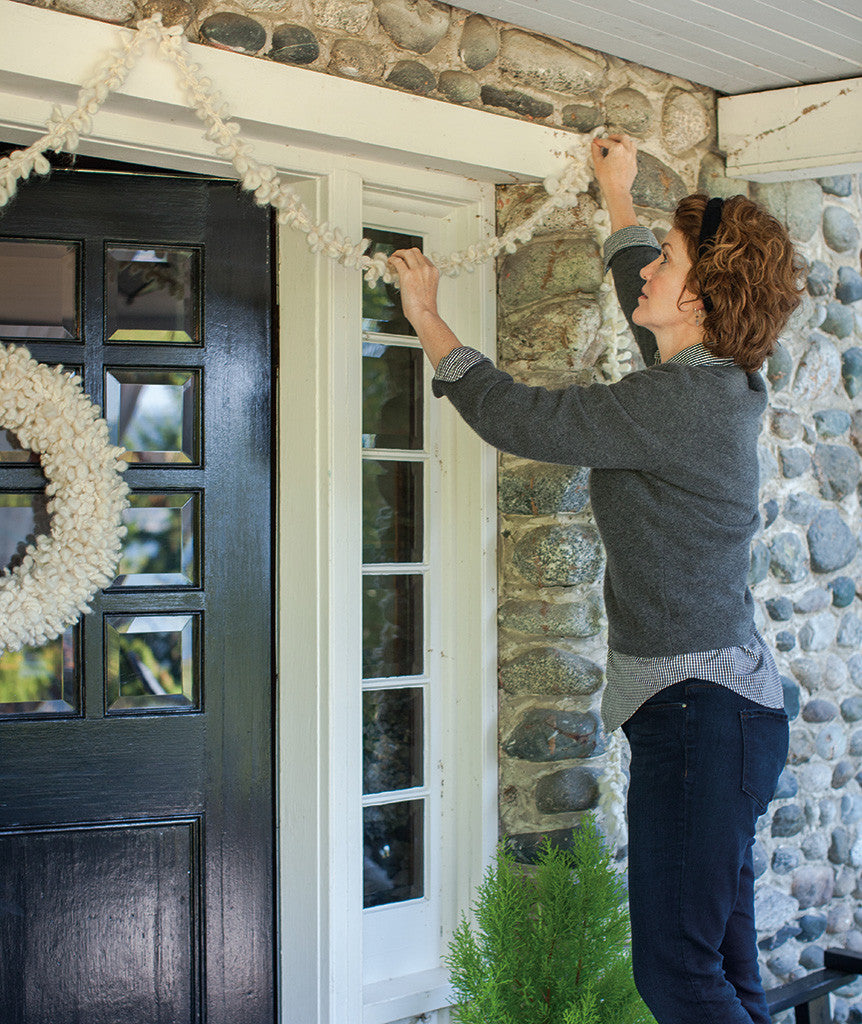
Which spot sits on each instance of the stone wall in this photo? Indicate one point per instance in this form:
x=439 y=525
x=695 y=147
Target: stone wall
x=435 y=50
x=805 y=571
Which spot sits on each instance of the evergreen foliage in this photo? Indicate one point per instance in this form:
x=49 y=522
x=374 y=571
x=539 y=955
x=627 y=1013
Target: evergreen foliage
x=549 y=946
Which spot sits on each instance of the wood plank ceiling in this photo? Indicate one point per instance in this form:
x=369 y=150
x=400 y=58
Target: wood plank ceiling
x=732 y=46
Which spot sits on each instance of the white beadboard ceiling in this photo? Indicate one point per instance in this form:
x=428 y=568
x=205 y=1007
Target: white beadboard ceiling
x=733 y=46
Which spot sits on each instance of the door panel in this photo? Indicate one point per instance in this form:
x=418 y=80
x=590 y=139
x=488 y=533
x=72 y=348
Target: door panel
x=71 y=898
x=136 y=818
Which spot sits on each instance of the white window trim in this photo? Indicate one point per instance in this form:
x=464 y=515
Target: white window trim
x=44 y=56
x=320 y=394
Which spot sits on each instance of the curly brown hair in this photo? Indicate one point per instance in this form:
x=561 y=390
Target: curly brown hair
x=751 y=273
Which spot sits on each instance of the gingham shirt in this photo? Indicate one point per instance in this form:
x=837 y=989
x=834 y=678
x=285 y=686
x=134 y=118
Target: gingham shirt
x=748 y=669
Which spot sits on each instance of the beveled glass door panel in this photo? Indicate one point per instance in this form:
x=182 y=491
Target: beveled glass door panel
x=154 y=414
x=391 y=511
x=152 y=295
x=391 y=396
x=392 y=739
x=41 y=680
x=34 y=680
x=393 y=842
x=39 y=290
x=151 y=663
x=162 y=542
x=23 y=517
x=11 y=449
x=391 y=626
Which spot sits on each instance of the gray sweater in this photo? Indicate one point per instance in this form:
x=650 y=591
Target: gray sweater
x=674 y=487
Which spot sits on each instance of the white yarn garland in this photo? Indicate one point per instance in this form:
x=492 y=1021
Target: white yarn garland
x=65 y=131
x=59 y=558
x=48 y=412
x=262 y=179
x=612 y=794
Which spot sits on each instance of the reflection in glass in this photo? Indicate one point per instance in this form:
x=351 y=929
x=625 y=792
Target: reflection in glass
x=391 y=739
x=23 y=517
x=391 y=511
x=38 y=290
x=150 y=662
x=159 y=546
x=392 y=853
x=381 y=304
x=151 y=413
x=12 y=451
x=40 y=680
x=391 y=626
x=391 y=396
x=151 y=295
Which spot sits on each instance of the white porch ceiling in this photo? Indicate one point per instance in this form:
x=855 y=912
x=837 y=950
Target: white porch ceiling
x=733 y=46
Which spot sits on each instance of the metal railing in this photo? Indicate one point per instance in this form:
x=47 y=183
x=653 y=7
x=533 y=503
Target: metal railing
x=810 y=995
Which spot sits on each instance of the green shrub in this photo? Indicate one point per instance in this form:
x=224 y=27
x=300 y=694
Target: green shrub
x=551 y=945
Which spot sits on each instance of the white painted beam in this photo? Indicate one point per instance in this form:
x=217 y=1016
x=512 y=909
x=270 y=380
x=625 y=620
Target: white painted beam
x=807 y=131
x=45 y=56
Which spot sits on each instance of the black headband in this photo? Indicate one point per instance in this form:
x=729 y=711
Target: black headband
x=708 y=229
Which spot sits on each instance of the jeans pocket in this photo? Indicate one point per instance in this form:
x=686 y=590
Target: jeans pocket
x=765 y=737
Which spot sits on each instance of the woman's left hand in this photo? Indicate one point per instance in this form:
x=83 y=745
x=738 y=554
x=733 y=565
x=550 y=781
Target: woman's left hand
x=418 y=279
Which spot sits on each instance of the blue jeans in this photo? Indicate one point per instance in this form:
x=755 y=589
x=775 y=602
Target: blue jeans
x=705 y=762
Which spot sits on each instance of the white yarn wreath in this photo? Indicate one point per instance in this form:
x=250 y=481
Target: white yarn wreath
x=47 y=411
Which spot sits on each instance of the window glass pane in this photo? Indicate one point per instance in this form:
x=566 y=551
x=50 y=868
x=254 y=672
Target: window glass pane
x=40 y=680
x=12 y=451
x=152 y=413
x=391 y=739
x=150 y=662
x=38 y=290
x=381 y=305
x=391 y=396
x=391 y=511
x=23 y=517
x=391 y=626
x=151 y=295
x=393 y=861
x=159 y=546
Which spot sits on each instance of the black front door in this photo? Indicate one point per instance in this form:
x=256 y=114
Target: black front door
x=136 y=762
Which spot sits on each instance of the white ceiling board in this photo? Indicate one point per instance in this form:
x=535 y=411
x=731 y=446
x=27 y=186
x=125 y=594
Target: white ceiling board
x=788 y=36
x=848 y=6
x=733 y=46
x=661 y=49
x=806 y=20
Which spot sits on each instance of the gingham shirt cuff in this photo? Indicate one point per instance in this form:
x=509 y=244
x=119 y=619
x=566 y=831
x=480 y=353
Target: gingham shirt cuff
x=627 y=237
x=453 y=366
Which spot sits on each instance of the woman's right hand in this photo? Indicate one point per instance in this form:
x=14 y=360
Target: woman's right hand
x=417 y=279
x=616 y=164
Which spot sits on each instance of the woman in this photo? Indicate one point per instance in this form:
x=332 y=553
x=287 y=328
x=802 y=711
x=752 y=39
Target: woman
x=674 y=491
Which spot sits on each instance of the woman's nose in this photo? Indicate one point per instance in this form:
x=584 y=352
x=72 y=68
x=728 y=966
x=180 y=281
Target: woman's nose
x=646 y=272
